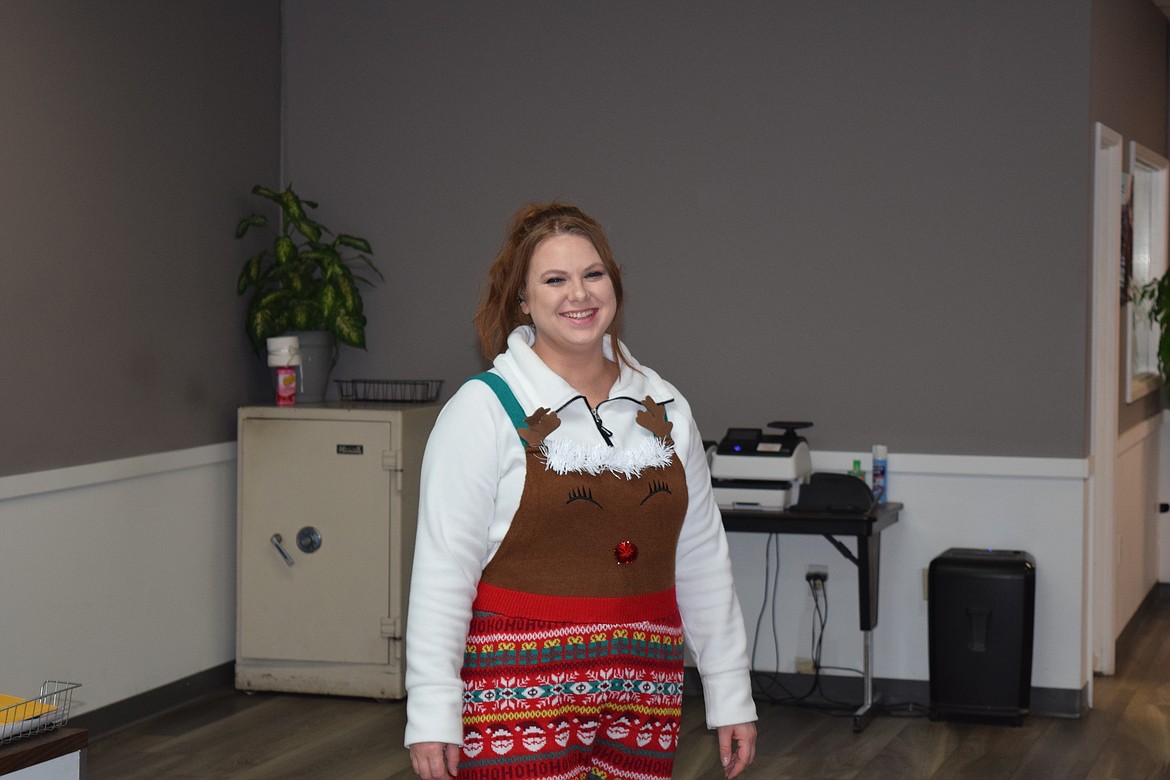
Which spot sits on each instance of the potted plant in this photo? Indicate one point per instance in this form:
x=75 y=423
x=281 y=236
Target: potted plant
x=302 y=283
x=1156 y=294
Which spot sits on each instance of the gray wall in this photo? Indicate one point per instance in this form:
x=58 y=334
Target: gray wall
x=130 y=135
x=873 y=216
x=1129 y=87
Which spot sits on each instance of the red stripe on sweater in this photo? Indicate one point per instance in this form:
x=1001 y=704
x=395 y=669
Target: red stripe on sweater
x=575 y=609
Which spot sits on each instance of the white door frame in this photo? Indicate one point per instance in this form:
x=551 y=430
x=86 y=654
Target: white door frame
x=1104 y=373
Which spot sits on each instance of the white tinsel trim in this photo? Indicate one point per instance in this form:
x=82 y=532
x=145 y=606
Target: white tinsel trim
x=564 y=457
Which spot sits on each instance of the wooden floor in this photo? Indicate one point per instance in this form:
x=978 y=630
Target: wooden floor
x=1127 y=735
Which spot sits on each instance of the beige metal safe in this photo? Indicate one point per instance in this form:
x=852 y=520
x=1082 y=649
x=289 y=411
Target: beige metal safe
x=327 y=502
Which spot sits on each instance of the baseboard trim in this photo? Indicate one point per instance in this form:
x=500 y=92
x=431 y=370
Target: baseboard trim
x=891 y=693
x=120 y=714
x=1124 y=643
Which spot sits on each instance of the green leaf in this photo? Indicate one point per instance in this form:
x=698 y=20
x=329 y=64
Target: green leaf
x=264 y=192
x=307 y=228
x=256 y=220
x=347 y=293
x=1164 y=353
x=324 y=257
x=350 y=329
x=353 y=242
x=329 y=302
x=250 y=275
x=271 y=301
x=291 y=204
x=259 y=325
x=372 y=267
x=284 y=249
x=305 y=316
x=296 y=283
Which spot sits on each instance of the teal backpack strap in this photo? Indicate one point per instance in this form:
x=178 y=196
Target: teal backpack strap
x=507 y=398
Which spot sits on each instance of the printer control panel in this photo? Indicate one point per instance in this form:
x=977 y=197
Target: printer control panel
x=753 y=441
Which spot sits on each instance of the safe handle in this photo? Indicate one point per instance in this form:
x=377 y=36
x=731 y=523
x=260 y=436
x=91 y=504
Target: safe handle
x=276 y=540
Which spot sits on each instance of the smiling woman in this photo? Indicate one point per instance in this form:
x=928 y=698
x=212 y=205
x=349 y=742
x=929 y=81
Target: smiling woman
x=552 y=579
x=570 y=297
x=502 y=308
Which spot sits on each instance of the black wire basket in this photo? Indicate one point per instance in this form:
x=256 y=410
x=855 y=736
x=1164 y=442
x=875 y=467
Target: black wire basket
x=409 y=391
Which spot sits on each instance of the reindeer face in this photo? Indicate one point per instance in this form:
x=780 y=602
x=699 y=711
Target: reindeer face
x=594 y=520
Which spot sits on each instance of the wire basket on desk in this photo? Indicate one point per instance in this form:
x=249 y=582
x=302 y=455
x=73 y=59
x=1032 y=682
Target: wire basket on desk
x=46 y=712
x=389 y=390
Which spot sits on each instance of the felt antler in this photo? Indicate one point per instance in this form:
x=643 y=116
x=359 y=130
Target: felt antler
x=653 y=419
x=541 y=423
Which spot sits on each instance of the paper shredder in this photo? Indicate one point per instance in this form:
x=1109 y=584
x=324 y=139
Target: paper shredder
x=981 y=613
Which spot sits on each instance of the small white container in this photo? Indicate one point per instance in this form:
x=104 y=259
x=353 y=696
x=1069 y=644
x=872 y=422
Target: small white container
x=284 y=358
x=284 y=351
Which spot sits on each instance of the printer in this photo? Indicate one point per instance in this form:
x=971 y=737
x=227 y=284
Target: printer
x=751 y=469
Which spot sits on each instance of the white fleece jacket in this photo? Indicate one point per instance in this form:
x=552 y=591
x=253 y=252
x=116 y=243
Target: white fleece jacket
x=472 y=478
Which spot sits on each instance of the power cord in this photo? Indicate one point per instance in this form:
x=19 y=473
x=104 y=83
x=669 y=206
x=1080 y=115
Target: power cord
x=768 y=686
x=764 y=684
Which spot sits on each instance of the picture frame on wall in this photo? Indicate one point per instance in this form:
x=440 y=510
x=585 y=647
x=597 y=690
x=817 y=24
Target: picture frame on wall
x=1144 y=259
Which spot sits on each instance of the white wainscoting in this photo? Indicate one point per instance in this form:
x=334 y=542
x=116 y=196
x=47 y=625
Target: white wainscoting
x=118 y=575
x=1135 y=527
x=1163 y=520
x=1032 y=504
x=121 y=575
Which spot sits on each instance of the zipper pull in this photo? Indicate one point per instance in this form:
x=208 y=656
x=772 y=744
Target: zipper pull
x=605 y=432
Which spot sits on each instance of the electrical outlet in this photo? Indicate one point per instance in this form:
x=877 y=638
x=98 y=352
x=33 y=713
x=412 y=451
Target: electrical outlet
x=817 y=576
x=804 y=666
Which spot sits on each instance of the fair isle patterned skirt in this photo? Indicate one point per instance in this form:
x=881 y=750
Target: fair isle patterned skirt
x=566 y=701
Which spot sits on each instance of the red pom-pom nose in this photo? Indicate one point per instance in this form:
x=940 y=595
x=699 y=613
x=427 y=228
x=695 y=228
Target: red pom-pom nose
x=625 y=552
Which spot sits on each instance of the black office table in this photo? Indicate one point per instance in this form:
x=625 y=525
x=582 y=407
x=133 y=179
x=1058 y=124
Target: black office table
x=866 y=529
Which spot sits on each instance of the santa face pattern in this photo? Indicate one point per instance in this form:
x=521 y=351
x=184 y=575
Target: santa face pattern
x=613 y=711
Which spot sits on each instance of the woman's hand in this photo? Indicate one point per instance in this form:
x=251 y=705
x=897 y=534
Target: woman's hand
x=436 y=760
x=736 y=760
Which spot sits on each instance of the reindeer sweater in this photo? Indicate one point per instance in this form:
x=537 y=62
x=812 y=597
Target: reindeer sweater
x=472 y=479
